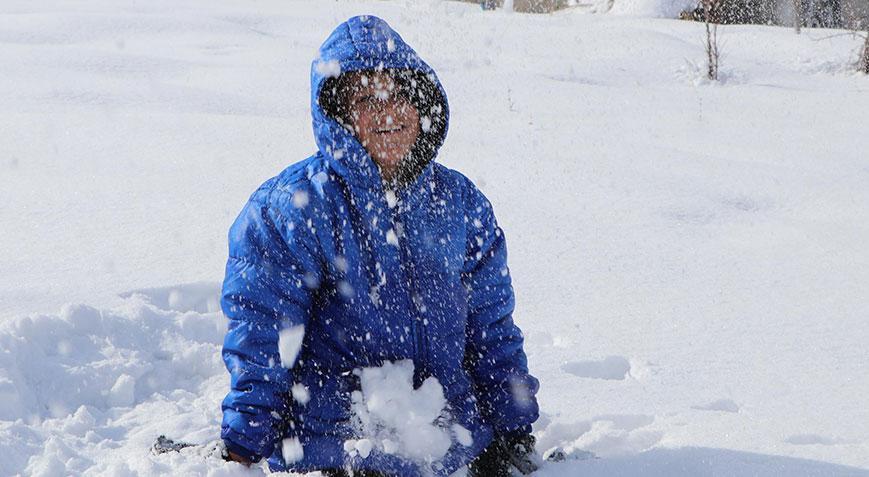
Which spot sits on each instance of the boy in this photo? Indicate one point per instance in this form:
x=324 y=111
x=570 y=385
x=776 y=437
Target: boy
x=371 y=252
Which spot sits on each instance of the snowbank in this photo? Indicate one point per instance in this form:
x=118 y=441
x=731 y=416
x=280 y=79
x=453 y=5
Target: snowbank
x=652 y=8
x=89 y=390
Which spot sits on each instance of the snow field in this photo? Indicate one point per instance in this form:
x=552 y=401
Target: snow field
x=689 y=258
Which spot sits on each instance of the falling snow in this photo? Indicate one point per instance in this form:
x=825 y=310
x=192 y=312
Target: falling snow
x=693 y=295
x=289 y=344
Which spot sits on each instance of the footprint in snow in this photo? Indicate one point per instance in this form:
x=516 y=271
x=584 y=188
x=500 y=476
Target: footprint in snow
x=612 y=368
x=603 y=436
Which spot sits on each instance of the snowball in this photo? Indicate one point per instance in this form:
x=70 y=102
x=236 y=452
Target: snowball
x=399 y=418
x=289 y=344
x=292 y=450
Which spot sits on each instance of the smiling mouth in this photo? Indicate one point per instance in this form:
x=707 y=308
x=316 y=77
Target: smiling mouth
x=390 y=129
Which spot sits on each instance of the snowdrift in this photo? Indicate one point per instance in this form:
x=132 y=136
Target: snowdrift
x=87 y=392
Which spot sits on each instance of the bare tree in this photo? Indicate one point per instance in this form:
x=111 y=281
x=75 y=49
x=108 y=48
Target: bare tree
x=857 y=18
x=864 y=56
x=712 y=54
x=798 y=16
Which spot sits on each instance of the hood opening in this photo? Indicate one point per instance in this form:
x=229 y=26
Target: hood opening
x=424 y=93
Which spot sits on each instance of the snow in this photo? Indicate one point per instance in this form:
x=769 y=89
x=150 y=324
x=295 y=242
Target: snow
x=611 y=367
x=652 y=8
x=290 y=343
x=363 y=447
x=392 y=237
x=301 y=393
x=329 y=69
x=300 y=199
x=122 y=393
x=397 y=418
x=292 y=450
x=132 y=373
x=391 y=198
x=463 y=436
x=689 y=257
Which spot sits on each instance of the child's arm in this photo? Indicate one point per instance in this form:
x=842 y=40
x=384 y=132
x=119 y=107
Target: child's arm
x=495 y=357
x=266 y=289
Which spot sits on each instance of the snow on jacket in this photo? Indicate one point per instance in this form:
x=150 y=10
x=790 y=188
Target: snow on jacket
x=373 y=276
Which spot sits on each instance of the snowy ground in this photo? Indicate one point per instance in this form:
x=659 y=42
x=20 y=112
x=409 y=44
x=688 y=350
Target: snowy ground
x=689 y=258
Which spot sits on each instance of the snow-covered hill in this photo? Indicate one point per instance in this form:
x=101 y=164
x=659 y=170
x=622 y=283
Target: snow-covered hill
x=689 y=258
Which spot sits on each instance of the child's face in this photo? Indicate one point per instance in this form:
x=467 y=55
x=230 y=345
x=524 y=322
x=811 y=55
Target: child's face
x=385 y=122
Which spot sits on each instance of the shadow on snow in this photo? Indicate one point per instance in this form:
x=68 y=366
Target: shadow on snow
x=700 y=462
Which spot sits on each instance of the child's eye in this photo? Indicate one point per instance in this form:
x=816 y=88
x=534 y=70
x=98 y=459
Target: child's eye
x=368 y=101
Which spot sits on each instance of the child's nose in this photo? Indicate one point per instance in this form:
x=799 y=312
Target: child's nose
x=391 y=110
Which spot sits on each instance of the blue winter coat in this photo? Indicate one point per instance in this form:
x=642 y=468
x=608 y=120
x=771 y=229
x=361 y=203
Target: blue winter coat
x=374 y=276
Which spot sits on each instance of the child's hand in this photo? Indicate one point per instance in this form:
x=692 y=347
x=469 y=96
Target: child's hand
x=237 y=458
x=504 y=454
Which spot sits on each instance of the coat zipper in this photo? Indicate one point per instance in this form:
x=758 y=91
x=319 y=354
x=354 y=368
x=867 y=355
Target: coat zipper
x=418 y=325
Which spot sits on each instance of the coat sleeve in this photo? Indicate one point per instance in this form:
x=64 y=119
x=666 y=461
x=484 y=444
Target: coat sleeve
x=494 y=355
x=270 y=277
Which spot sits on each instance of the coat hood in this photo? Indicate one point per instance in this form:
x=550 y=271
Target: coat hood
x=367 y=43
